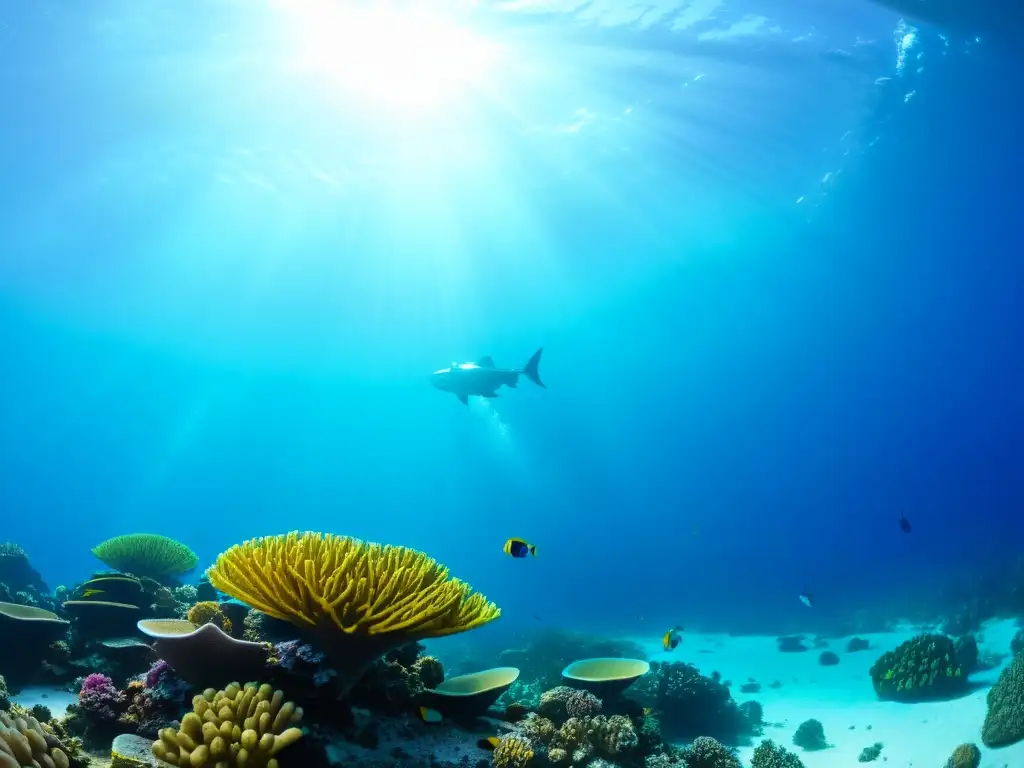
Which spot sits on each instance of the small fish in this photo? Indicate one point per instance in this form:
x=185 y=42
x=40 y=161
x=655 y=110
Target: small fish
x=430 y=715
x=671 y=639
x=904 y=524
x=647 y=711
x=519 y=548
x=491 y=743
x=807 y=599
x=537 y=618
x=90 y=592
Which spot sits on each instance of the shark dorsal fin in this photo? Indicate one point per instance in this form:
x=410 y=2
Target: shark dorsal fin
x=486 y=362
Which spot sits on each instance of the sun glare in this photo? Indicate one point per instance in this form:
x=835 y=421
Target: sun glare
x=406 y=59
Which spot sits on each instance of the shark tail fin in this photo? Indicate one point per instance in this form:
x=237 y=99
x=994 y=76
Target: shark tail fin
x=531 y=369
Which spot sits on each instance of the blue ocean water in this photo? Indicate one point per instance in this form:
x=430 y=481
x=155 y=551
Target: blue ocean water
x=771 y=251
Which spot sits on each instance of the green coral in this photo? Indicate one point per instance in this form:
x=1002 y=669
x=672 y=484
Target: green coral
x=924 y=667
x=768 y=754
x=1004 y=721
x=146 y=554
x=965 y=756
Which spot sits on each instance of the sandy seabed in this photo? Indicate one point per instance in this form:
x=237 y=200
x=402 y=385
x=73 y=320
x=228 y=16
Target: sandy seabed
x=841 y=697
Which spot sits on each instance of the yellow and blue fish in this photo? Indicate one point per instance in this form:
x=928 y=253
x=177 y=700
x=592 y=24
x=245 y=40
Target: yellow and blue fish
x=519 y=548
x=672 y=638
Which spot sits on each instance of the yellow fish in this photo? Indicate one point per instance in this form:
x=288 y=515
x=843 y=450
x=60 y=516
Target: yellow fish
x=672 y=638
x=91 y=592
x=430 y=715
x=491 y=742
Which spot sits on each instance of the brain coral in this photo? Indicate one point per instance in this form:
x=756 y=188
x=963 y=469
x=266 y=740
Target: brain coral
x=360 y=599
x=924 y=667
x=237 y=726
x=964 y=756
x=1004 y=721
x=562 y=702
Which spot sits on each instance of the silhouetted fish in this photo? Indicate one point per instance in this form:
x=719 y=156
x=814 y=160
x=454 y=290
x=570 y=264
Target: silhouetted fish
x=904 y=524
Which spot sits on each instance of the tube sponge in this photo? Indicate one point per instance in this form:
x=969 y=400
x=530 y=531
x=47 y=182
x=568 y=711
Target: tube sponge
x=234 y=727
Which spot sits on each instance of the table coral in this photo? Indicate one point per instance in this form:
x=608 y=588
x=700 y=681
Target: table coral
x=237 y=726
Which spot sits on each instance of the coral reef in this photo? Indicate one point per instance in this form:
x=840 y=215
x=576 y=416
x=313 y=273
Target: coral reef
x=1017 y=642
x=1004 y=720
x=810 y=735
x=791 y=644
x=20 y=583
x=857 y=644
x=23 y=742
x=705 y=752
x=690 y=704
x=247 y=725
x=768 y=754
x=358 y=599
x=5 y=701
x=828 y=659
x=513 y=751
x=155 y=701
x=580 y=740
x=966 y=649
x=965 y=756
x=549 y=651
x=562 y=702
x=754 y=713
x=924 y=667
x=870 y=754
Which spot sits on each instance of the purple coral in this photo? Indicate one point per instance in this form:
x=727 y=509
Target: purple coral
x=163 y=684
x=99 y=697
x=303 y=659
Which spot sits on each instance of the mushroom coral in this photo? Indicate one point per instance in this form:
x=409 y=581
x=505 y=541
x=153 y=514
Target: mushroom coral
x=358 y=599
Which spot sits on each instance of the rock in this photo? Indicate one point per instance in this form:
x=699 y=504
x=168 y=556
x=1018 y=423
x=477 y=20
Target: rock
x=131 y=751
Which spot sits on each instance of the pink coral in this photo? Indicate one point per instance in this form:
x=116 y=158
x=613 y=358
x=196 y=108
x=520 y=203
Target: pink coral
x=99 y=698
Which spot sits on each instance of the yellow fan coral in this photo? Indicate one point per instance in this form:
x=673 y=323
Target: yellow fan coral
x=234 y=727
x=360 y=599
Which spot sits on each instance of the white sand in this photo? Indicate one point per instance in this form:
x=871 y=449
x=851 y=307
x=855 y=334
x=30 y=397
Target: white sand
x=54 y=698
x=921 y=735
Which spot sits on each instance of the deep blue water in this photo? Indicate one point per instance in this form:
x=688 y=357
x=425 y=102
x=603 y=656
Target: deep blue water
x=223 y=285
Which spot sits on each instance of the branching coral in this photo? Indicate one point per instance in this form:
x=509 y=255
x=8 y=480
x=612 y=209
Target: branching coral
x=146 y=554
x=360 y=599
x=245 y=727
x=23 y=742
x=208 y=612
x=513 y=751
x=580 y=739
x=924 y=667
